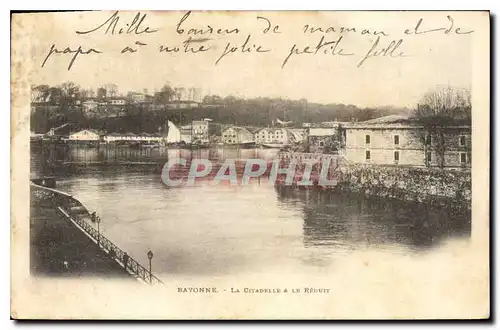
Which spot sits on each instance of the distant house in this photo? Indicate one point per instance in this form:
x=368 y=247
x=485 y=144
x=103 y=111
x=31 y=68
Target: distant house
x=186 y=135
x=202 y=130
x=237 y=135
x=273 y=135
x=325 y=139
x=117 y=101
x=84 y=135
x=182 y=104
x=297 y=134
x=138 y=97
x=397 y=140
x=90 y=104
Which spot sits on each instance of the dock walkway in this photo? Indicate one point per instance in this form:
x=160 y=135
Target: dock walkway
x=64 y=241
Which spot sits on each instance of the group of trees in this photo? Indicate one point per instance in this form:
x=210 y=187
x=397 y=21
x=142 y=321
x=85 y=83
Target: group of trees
x=68 y=93
x=438 y=110
x=56 y=105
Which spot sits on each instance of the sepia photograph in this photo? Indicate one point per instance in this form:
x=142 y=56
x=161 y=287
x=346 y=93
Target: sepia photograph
x=250 y=165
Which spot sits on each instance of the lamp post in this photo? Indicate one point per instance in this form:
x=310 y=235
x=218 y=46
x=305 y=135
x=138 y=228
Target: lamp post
x=98 y=220
x=150 y=256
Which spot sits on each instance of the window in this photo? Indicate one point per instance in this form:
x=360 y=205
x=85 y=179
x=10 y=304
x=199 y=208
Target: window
x=396 y=156
x=429 y=156
x=463 y=158
x=428 y=139
x=321 y=144
x=367 y=154
x=462 y=140
x=367 y=139
x=396 y=139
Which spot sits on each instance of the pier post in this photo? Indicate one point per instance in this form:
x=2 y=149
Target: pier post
x=98 y=220
x=150 y=256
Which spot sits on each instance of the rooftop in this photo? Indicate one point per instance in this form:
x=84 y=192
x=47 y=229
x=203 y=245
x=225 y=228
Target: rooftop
x=391 y=119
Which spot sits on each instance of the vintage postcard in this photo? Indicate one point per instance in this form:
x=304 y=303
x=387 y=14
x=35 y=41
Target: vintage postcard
x=250 y=165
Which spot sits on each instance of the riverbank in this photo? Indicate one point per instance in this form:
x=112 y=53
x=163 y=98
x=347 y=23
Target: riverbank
x=59 y=248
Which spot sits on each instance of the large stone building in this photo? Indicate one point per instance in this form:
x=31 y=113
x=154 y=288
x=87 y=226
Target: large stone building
x=395 y=140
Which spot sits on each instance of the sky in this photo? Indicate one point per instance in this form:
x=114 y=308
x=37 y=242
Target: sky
x=398 y=78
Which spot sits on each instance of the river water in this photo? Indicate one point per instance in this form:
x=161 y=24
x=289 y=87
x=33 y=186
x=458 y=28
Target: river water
x=217 y=230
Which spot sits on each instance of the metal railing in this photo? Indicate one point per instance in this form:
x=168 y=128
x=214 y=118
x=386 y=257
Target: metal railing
x=67 y=204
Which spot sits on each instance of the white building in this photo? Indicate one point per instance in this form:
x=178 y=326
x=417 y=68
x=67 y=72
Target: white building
x=138 y=97
x=84 y=135
x=201 y=130
x=182 y=104
x=237 y=135
x=273 y=135
x=89 y=105
x=117 y=101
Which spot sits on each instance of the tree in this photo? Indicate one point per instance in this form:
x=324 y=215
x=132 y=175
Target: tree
x=179 y=93
x=111 y=90
x=70 y=91
x=84 y=93
x=437 y=110
x=444 y=105
x=56 y=95
x=40 y=93
x=101 y=93
x=165 y=95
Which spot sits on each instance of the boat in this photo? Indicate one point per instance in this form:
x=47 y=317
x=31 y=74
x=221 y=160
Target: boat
x=149 y=145
x=249 y=144
x=144 y=145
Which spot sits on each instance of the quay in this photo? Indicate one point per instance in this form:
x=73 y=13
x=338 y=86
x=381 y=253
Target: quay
x=64 y=242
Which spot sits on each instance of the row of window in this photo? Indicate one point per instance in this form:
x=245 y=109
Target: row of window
x=463 y=156
x=428 y=139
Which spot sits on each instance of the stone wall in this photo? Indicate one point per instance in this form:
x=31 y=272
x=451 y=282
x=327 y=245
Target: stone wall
x=434 y=186
x=419 y=184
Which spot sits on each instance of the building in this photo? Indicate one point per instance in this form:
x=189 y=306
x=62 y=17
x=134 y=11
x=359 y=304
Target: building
x=84 y=135
x=202 y=130
x=182 y=104
x=237 y=135
x=298 y=134
x=323 y=137
x=397 y=140
x=89 y=105
x=117 y=101
x=186 y=133
x=138 y=97
x=273 y=135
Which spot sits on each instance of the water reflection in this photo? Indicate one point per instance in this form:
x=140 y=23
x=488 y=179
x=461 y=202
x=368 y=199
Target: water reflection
x=351 y=220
